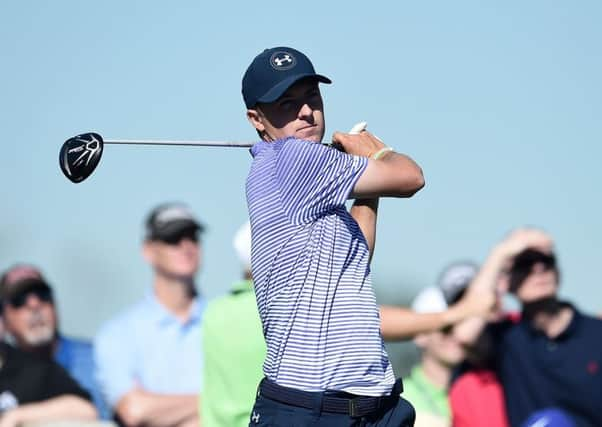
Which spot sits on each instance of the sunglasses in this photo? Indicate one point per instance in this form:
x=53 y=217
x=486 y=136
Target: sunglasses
x=446 y=330
x=44 y=294
x=525 y=269
x=175 y=239
x=523 y=266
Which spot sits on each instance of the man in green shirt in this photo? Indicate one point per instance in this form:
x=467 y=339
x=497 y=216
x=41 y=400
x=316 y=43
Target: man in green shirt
x=234 y=349
x=427 y=385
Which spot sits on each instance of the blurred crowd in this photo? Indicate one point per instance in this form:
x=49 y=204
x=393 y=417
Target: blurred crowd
x=176 y=359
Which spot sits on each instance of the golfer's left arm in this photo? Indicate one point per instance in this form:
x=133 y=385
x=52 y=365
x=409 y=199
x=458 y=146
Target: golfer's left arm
x=365 y=212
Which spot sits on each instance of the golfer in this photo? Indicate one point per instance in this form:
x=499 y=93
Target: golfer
x=326 y=364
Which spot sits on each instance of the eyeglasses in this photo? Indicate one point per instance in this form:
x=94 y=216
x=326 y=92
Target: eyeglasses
x=44 y=294
x=178 y=237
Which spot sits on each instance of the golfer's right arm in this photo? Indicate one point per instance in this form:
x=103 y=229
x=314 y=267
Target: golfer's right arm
x=391 y=175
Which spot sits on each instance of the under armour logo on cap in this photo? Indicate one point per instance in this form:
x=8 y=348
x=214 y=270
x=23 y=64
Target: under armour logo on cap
x=282 y=60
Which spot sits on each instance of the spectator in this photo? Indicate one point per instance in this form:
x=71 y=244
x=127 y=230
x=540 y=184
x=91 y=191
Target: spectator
x=31 y=324
x=149 y=357
x=551 y=357
x=234 y=348
x=441 y=352
x=402 y=323
x=476 y=397
x=34 y=389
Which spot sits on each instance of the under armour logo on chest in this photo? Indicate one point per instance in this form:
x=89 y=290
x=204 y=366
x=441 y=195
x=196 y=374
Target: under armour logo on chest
x=255 y=417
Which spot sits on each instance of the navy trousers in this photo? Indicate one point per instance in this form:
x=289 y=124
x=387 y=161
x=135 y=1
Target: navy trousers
x=271 y=413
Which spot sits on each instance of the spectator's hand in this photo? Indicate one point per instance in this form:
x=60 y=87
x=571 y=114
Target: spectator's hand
x=522 y=239
x=477 y=301
x=133 y=406
x=363 y=144
x=468 y=330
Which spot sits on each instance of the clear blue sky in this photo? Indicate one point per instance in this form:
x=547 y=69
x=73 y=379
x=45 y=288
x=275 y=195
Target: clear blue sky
x=499 y=102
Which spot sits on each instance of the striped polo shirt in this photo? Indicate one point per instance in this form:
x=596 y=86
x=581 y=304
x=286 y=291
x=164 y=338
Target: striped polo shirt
x=311 y=271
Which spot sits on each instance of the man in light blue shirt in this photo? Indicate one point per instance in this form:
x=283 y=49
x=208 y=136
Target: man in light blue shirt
x=149 y=357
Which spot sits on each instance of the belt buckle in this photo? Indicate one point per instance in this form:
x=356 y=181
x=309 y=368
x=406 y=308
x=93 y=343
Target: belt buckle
x=353 y=407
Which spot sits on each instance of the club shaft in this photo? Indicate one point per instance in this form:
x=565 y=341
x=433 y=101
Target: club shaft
x=189 y=143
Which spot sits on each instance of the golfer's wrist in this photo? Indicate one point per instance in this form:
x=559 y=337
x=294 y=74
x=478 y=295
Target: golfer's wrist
x=380 y=153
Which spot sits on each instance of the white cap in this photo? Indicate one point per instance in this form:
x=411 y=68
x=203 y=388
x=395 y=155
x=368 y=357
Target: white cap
x=451 y=284
x=429 y=300
x=242 y=245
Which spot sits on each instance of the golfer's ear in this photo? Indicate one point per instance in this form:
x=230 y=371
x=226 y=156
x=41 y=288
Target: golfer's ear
x=256 y=119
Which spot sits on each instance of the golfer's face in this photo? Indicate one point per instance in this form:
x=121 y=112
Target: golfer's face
x=297 y=113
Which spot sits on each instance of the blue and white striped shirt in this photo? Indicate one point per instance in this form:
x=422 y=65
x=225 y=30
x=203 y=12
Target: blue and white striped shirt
x=311 y=271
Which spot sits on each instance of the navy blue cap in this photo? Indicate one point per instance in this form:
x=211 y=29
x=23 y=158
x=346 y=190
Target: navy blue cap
x=273 y=71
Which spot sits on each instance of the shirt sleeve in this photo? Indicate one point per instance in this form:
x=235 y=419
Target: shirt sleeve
x=58 y=383
x=314 y=179
x=77 y=358
x=114 y=362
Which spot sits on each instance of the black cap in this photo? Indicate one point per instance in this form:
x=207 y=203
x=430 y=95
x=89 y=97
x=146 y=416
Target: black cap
x=169 y=220
x=273 y=71
x=20 y=278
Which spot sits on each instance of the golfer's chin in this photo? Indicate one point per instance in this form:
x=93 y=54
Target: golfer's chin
x=310 y=133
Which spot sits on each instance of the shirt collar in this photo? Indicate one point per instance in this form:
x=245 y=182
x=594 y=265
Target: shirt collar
x=569 y=330
x=419 y=376
x=257 y=148
x=573 y=324
x=260 y=146
x=158 y=313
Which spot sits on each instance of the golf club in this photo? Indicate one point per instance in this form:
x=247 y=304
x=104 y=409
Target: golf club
x=79 y=156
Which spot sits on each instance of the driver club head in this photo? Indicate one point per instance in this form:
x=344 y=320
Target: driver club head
x=80 y=155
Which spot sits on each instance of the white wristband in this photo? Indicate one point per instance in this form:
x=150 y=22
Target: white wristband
x=381 y=153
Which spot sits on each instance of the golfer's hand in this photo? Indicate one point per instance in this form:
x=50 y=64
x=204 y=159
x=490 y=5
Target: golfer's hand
x=525 y=238
x=363 y=144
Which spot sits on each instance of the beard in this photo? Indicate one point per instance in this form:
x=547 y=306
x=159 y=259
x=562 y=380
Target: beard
x=547 y=305
x=40 y=331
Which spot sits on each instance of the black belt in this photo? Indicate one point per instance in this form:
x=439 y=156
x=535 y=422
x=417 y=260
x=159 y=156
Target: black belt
x=357 y=406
